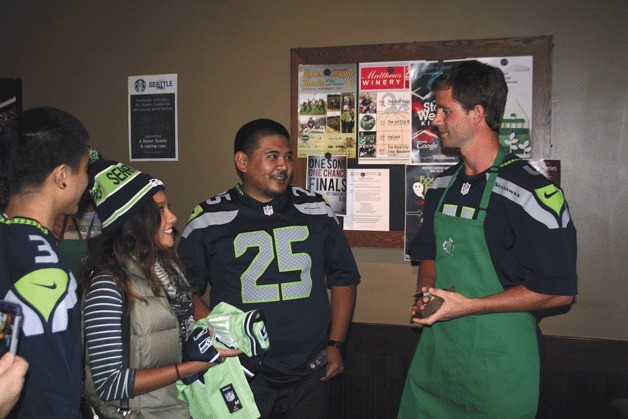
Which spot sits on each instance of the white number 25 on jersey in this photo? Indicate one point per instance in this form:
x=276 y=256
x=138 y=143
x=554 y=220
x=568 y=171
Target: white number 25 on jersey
x=279 y=246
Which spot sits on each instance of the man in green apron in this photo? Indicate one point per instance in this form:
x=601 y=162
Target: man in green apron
x=501 y=234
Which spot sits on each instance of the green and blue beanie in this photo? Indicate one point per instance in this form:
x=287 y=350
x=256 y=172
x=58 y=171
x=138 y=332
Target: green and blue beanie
x=119 y=191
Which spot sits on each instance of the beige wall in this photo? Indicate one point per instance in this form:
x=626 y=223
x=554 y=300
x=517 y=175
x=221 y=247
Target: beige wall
x=233 y=64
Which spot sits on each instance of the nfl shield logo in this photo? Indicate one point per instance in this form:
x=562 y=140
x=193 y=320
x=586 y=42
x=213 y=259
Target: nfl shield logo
x=268 y=210
x=465 y=188
x=230 y=396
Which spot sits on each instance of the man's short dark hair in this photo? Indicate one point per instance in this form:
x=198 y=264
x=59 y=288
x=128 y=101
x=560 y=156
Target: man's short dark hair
x=247 y=137
x=35 y=142
x=475 y=83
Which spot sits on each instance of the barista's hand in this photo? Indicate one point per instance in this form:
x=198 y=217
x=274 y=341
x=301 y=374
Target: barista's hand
x=456 y=305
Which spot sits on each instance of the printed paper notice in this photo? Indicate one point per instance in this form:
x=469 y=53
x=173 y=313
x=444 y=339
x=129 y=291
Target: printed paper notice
x=327 y=175
x=327 y=109
x=368 y=195
x=384 y=127
x=419 y=178
x=153 y=131
x=514 y=133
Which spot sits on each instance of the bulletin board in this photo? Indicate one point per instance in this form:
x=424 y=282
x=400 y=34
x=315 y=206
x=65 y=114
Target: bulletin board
x=540 y=131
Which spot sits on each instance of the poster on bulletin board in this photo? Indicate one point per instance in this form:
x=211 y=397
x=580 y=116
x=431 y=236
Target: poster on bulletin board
x=393 y=120
x=326 y=110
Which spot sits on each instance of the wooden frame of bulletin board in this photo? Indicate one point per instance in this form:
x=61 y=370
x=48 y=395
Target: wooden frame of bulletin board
x=540 y=131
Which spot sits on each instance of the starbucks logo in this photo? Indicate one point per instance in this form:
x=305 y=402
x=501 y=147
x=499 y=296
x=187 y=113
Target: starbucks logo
x=140 y=85
x=448 y=246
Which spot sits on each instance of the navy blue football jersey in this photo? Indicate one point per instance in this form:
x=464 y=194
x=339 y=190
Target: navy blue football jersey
x=528 y=227
x=42 y=284
x=279 y=257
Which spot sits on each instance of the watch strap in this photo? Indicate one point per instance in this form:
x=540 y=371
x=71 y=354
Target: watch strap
x=337 y=344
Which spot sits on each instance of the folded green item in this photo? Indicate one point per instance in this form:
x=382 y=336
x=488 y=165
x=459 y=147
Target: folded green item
x=232 y=328
x=224 y=392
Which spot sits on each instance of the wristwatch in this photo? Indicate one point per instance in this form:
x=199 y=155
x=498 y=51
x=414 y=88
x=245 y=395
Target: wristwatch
x=336 y=344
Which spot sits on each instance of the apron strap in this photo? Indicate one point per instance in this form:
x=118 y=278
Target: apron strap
x=492 y=171
x=78 y=230
x=451 y=182
x=65 y=222
x=490 y=182
x=89 y=229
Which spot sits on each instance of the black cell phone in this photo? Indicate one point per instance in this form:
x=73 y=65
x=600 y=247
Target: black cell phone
x=10 y=326
x=319 y=361
x=434 y=304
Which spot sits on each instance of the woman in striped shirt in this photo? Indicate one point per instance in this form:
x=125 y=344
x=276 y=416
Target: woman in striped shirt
x=134 y=285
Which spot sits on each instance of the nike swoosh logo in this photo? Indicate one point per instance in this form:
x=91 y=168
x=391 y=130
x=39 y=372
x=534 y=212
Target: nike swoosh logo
x=549 y=195
x=51 y=287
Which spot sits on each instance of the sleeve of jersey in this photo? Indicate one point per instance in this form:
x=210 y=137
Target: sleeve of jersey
x=103 y=336
x=340 y=266
x=193 y=256
x=547 y=254
x=422 y=247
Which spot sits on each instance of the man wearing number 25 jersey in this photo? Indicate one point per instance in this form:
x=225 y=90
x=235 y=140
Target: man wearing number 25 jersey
x=267 y=245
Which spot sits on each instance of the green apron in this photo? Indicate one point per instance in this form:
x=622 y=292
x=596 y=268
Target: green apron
x=480 y=365
x=74 y=251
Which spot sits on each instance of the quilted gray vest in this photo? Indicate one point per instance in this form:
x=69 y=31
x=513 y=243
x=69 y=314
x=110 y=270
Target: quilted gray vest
x=154 y=340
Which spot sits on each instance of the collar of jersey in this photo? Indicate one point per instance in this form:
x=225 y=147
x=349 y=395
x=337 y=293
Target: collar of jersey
x=278 y=203
x=509 y=159
x=25 y=221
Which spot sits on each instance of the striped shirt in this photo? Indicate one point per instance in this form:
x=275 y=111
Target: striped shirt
x=103 y=336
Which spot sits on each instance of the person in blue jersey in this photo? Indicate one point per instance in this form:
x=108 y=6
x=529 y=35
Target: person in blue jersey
x=13 y=367
x=497 y=247
x=13 y=370
x=44 y=162
x=135 y=286
x=268 y=245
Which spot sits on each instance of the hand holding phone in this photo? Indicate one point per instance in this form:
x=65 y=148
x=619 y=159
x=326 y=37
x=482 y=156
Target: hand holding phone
x=10 y=326
x=430 y=308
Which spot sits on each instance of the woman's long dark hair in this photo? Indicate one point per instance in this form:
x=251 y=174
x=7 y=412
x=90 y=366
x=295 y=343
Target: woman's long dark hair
x=137 y=237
